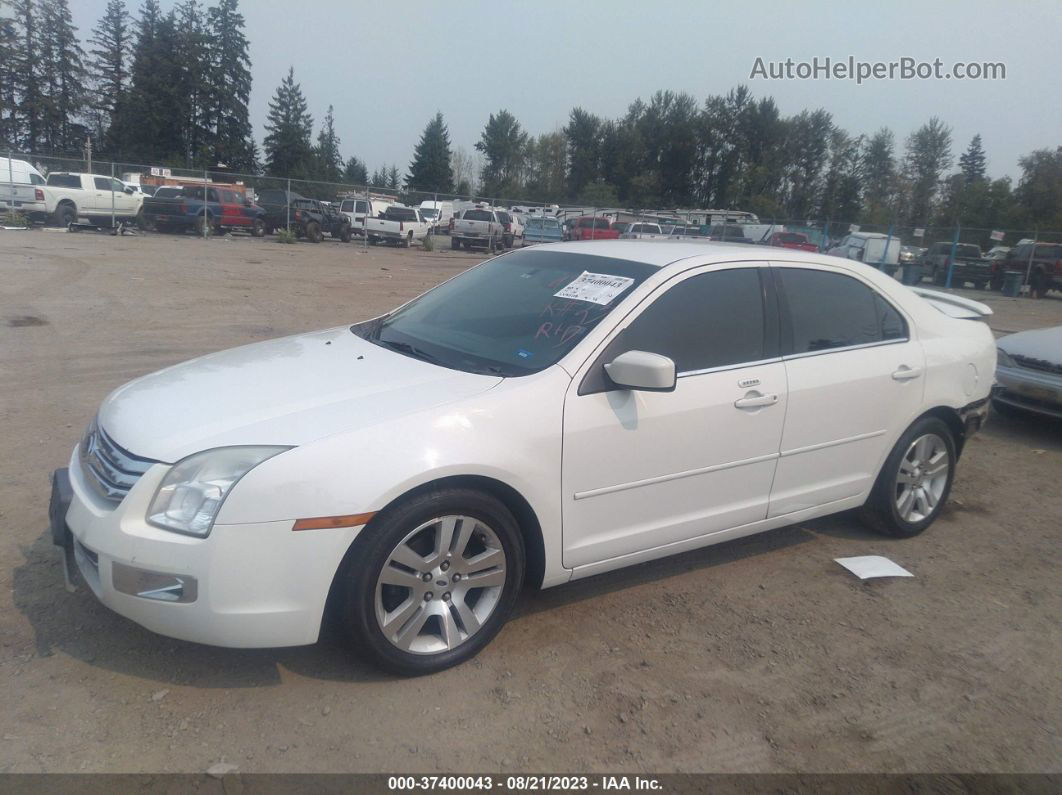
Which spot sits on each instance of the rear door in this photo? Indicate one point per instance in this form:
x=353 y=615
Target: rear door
x=855 y=377
x=232 y=209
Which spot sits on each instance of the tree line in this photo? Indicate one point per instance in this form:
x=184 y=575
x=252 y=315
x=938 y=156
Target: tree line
x=172 y=89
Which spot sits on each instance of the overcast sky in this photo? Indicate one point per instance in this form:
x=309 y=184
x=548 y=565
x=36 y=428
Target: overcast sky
x=388 y=66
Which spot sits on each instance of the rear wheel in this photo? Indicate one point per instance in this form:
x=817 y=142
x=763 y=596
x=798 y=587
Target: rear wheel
x=914 y=484
x=258 y=228
x=204 y=226
x=430 y=583
x=65 y=214
x=344 y=233
x=455 y=243
x=313 y=232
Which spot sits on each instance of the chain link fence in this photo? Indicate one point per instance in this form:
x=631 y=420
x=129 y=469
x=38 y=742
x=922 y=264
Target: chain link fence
x=112 y=204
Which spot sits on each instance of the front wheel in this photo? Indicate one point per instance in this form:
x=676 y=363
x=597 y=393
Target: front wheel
x=344 y=233
x=455 y=243
x=914 y=484
x=313 y=232
x=204 y=226
x=258 y=228
x=430 y=583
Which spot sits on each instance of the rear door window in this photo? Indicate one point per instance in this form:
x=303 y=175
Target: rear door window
x=64 y=180
x=830 y=310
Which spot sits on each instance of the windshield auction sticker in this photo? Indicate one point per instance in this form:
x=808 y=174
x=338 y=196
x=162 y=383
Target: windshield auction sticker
x=597 y=288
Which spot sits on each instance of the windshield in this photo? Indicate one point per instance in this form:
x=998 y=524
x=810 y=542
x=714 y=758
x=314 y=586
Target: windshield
x=429 y=213
x=542 y=223
x=509 y=316
x=971 y=252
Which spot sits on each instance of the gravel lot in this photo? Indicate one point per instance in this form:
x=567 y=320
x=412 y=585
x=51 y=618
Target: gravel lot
x=757 y=655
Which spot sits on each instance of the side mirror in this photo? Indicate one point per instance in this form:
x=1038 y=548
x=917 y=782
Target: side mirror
x=649 y=372
x=129 y=190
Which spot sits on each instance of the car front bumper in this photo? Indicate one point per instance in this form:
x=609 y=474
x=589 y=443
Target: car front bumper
x=1031 y=390
x=245 y=585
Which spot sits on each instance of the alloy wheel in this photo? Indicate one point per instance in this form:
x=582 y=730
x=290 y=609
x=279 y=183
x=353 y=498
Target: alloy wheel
x=440 y=584
x=922 y=478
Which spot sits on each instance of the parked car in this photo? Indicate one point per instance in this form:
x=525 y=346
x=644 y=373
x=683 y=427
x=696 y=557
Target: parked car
x=357 y=210
x=512 y=228
x=22 y=189
x=70 y=196
x=621 y=226
x=308 y=218
x=728 y=233
x=438 y=213
x=794 y=240
x=399 y=225
x=551 y=414
x=542 y=229
x=872 y=248
x=695 y=231
x=970 y=265
x=1041 y=261
x=1029 y=372
x=592 y=227
x=910 y=255
x=643 y=231
x=205 y=209
x=479 y=226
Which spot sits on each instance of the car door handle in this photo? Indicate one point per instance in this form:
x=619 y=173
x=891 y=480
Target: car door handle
x=755 y=400
x=905 y=373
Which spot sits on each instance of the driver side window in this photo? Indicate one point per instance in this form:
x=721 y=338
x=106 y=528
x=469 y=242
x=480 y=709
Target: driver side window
x=707 y=321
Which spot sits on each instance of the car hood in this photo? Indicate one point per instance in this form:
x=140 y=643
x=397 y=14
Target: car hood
x=1044 y=344
x=288 y=391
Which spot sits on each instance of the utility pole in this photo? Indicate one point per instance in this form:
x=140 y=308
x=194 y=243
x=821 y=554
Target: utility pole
x=88 y=154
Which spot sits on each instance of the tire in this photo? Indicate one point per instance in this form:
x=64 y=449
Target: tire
x=344 y=233
x=141 y=222
x=313 y=232
x=385 y=595
x=373 y=240
x=66 y=214
x=455 y=243
x=996 y=282
x=258 y=228
x=903 y=510
x=204 y=226
x=408 y=241
x=979 y=284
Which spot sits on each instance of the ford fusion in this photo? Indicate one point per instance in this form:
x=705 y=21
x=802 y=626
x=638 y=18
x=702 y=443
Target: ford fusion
x=552 y=413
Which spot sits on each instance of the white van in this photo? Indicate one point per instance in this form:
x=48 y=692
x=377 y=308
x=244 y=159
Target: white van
x=22 y=189
x=868 y=247
x=357 y=210
x=438 y=213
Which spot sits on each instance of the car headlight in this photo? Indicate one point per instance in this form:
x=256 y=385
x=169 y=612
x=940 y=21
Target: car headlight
x=1003 y=359
x=191 y=494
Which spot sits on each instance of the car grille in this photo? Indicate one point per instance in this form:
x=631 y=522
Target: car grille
x=109 y=469
x=1042 y=365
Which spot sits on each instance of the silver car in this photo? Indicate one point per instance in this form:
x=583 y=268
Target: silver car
x=1029 y=372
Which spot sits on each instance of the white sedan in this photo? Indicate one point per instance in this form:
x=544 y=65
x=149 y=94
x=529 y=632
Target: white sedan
x=550 y=414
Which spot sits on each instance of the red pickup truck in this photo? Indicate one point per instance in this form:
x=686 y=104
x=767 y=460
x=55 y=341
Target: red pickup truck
x=1042 y=261
x=791 y=240
x=592 y=227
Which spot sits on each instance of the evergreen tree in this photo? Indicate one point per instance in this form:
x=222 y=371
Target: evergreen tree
x=393 y=177
x=430 y=169
x=289 y=126
x=193 y=70
x=27 y=76
x=503 y=144
x=355 y=172
x=230 y=89
x=807 y=148
x=379 y=178
x=879 y=174
x=9 y=49
x=107 y=65
x=972 y=161
x=329 y=161
x=64 y=74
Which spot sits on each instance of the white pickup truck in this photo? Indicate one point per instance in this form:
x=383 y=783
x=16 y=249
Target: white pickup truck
x=643 y=231
x=69 y=196
x=22 y=189
x=399 y=225
x=480 y=226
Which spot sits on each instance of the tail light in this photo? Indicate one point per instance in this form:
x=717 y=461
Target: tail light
x=38 y=194
x=298 y=214
x=508 y=228
x=401 y=226
x=184 y=209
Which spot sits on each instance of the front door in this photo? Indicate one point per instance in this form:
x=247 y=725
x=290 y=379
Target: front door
x=646 y=469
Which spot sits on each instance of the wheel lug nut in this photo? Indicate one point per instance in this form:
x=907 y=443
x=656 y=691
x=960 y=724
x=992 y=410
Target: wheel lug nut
x=456 y=577
x=428 y=596
x=426 y=577
x=445 y=565
x=446 y=597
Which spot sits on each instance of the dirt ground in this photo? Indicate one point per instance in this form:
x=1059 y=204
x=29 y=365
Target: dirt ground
x=758 y=655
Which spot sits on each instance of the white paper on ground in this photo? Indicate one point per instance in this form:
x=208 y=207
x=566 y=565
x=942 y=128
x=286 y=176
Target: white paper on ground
x=598 y=288
x=869 y=566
